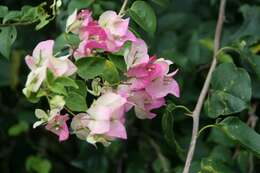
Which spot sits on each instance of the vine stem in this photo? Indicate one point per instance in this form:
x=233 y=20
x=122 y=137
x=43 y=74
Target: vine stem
x=204 y=91
x=122 y=10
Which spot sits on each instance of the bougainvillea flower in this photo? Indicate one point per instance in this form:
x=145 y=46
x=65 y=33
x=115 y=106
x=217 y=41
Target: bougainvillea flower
x=99 y=119
x=144 y=103
x=79 y=125
x=58 y=126
x=43 y=59
x=137 y=54
x=76 y=21
x=93 y=37
x=106 y=116
x=142 y=74
x=62 y=66
x=117 y=127
x=117 y=30
x=114 y=23
x=149 y=70
x=165 y=84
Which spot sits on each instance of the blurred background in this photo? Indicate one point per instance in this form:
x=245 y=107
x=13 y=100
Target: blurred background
x=185 y=33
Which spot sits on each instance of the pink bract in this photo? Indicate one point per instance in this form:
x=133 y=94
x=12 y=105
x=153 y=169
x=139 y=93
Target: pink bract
x=59 y=127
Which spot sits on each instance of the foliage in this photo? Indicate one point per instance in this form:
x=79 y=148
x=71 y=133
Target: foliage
x=181 y=31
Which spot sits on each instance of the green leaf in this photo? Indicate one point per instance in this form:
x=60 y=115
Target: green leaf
x=5 y=77
x=167 y=127
x=219 y=137
x=144 y=16
x=12 y=16
x=90 y=67
x=243 y=161
x=58 y=88
x=118 y=61
x=230 y=91
x=241 y=133
x=76 y=102
x=3 y=11
x=97 y=163
x=65 y=39
x=18 y=128
x=110 y=73
x=221 y=153
x=161 y=165
x=38 y=165
x=28 y=15
x=214 y=166
x=225 y=58
x=7 y=37
x=194 y=168
x=66 y=81
x=222 y=103
x=81 y=90
x=79 y=4
x=162 y=3
x=250 y=26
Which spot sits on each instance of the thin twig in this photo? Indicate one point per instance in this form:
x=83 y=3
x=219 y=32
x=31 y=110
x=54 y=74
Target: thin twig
x=204 y=91
x=17 y=24
x=159 y=154
x=122 y=10
x=69 y=111
x=252 y=120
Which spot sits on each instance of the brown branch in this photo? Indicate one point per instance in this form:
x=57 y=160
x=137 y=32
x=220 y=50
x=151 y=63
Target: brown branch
x=204 y=91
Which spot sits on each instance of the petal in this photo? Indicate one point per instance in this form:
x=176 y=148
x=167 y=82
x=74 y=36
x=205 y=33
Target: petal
x=138 y=71
x=99 y=112
x=105 y=17
x=79 y=121
x=119 y=27
x=31 y=62
x=43 y=49
x=117 y=130
x=165 y=65
x=155 y=103
x=58 y=67
x=37 y=123
x=35 y=79
x=160 y=88
x=71 y=19
x=98 y=126
x=142 y=114
x=62 y=66
x=111 y=100
x=138 y=53
x=139 y=83
x=64 y=133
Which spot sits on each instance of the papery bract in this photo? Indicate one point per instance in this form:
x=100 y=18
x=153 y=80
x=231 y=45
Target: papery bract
x=106 y=116
x=137 y=54
x=41 y=60
x=58 y=126
x=79 y=125
x=144 y=103
x=165 y=84
x=116 y=29
x=76 y=22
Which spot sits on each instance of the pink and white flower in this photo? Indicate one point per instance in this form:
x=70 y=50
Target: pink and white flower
x=116 y=29
x=137 y=54
x=43 y=59
x=58 y=126
x=143 y=104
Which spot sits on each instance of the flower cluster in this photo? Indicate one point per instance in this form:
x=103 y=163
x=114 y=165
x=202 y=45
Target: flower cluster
x=145 y=83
